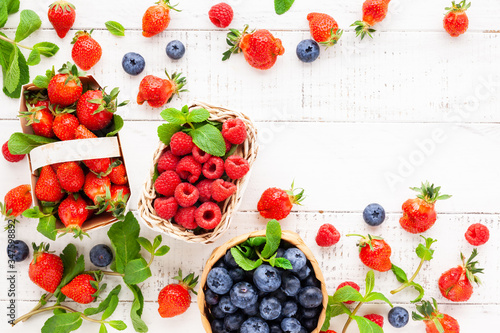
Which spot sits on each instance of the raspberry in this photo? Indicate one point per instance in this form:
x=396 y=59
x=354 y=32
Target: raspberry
x=236 y=167
x=185 y=217
x=222 y=190
x=186 y=194
x=234 y=131
x=377 y=319
x=166 y=183
x=221 y=15
x=181 y=144
x=213 y=168
x=10 y=157
x=199 y=155
x=189 y=169
x=167 y=161
x=327 y=235
x=477 y=234
x=166 y=208
x=349 y=283
x=229 y=145
x=208 y=215
x=205 y=189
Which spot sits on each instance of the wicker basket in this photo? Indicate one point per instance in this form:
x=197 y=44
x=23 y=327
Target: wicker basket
x=247 y=150
x=288 y=236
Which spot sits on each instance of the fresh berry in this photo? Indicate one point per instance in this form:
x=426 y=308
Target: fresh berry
x=40 y=118
x=157 y=91
x=221 y=190
x=236 y=167
x=252 y=310
x=374 y=11
x=226 y=305
x=233 y=322
x=296 y=257
x=186 y=194
x=166 y=208
x=254 y=325
x=349 y=283
x=175 y=50
x=10 y=157
x=307 y=50
x=374 y=214
x=290 y=285
x=167 y=161
x=166 y=183
x=327 y=235
x=228 y=144
x=456 y=21
x=324 y=29
x=17 y=250
x=181 y=144
x=229 y=260
x=310 y=297
x=309 y=313
x=116 y=201
x=430 y=315
x=86 y=50
x=291 y=325
x=95 y=187
x=16 y=201
x=174 y=299
x=375 y=253
x=156 y=18
x=260 y=48
x=270 y=308
x=303 y=273
x=65 y=126
x=376 y=318
x=205 y=189
x=46 y=269
x=243 y=295
x=267 y=278
x=290 y=309
x=208 y=215
x=213 y=168
x=237 y=274
x=211 y=298
x=72 y=213
x=133 y=63
x=221 y=15
x=71 y=177
x=477 y=234
x=185 y=217
x=118 y=174
x=234 y=131
x=398 y=317
x=65 y=88
x=199 y=155
x=99 y=166
x=419 y=214
x=95 y=109
x=188 y=168
x=81 y=289
x=47 y=187
x=277 y=204
x=101 y=255
x=217 y=325
x=219 y=281
x=62 y=16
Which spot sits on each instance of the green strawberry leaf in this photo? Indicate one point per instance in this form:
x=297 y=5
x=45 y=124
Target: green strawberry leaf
x=47 y=227
x=34 y=58
x=377 y=296
x=136 y=271
x=115 y=28
x=136 y=309
x=21 y=143
x=242 y=261
x=345 y=294
x=117 y=325
x=46 y=49
x=209 y=139
x=165 y=132
x=421 y=292
x=174 y=116
x=30 y=22
x=123 y=237
x=104 y=303
x=282 y=6
x=198 y=116
x=400 y=274
x=366 y=325
x=273 y=239
x=113 y=303
x=370 y=282
x=63 y=323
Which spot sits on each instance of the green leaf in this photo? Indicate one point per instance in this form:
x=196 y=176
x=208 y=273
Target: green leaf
x=283 y=263
x=24 y=78
x=256 y=241
x=63 y=323
x=209 y=139
x=41 y=81
x=117 y=325
x=33 y=213
x=331 y=312
x=115 y=28
x=165 y=132
x=103 y=329
x=137 y=271
x=174 y=116
x=146 y=244
x=370 y=282
x=198 y=116
x=47 y=227
x=6 y=49
x=425 y=252
x=400 y=274
x=242 y=261
x=123 y=237
x=366 y=325
x=113 y=303
x=4 y=14
x=162 y=251
x=136 y=309
x=421 y=291
x=273 y=238
x=46 y=49
x=377 y=296
x=29 y=23
x=12 y=6
x=104 y=303
x=72 y=265
x=21 y=143
x=157 y=241
x=12 y=74
x=345 y=294
x=34 y=58
x=117 y=125
x=282 y=6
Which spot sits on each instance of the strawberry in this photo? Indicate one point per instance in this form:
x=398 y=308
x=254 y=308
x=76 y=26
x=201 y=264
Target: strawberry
x=96 y=187
x=40 y=118
x=46 y=269
x=157 y=91
x=70 y=176
x=47 y=187
x=456 y=284
x=435 y=321
x=95 y=108
x=276 y=203
x=174 y=299
x=374 y=11
x=73 y=212
x=9 y=157
x=62 y=16
x=65 y=88
x=260 y=48
x=99 y=166
x=324 y=29
x=374 y=252
x=419 y=214
x=65 y=125
x=82 y=289
x=156 y=18
x=16 y=201
x=86 y=50
x=118 y=175
x=115 y=201
x=456 y=21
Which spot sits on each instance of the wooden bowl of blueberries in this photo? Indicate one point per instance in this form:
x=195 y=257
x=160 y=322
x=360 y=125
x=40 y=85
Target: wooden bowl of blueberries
x=263 y=282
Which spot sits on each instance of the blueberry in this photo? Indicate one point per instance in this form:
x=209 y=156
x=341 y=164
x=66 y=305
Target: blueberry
x=17 y=250
x=275 y=328
x=254 y=325
x=175 y=49
x=219 y=281
x=289 y=309
x=290 y=325
x=310 y=297
x=374 y=214
x=309 y=313
x=218 y=326
x=280 y=253
x=220 y=263
x=233 y=322
x=252 y=310
x=101 y=255
x=290 y=285
x=270 y=308
x=311 y=281
x=237 y=274
x=267 y=278
x=398 y=317
x=303 y=330
x=243 y=294
x=217 y=312
x=310 y=324
x=296 y=257
x=211 y=298
x=308 y=50
x=229 y=260
x=279 y=294
x=227 y=306
x=303 y=273
x=133 y=63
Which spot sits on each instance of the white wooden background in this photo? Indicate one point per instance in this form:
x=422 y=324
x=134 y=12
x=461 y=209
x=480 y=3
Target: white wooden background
x=361 y=124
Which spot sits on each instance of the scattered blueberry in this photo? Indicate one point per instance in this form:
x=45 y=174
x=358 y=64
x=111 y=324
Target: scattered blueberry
x=252 y=310
x=275 y=328
x=217 y=312
x=289 y=309
x=101 y=255
x=310 y=297
x=304 y=273
x=227 y=306
x=290 y=325
x=270 y=308
x=398 y=317
x=133 y=63
x=219 y=281
x=211 y=298
x=243 y=295
x=267 y=278
x=229 y=260
x=17 y=250
x=309 y=313
x=254 y=325
x=237 y=274
x=175 y=49
x=308 y=50
x=296 y=257
x=218 y=327
x=233 y=322
x=290 y=285
x=374 y=214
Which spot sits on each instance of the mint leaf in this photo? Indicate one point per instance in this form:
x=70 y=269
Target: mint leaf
x=41 y=81
x=425 y=252
x=345 y=294
x=209 y=139
x=12 y=6
x=256 y=241
x=34 y=58
x=174 y=116
x=137 y=308
x=47 y=227
x=162 y=251
x=242 y=261
x=115 y=28
x=146 y=244
x=63 y=323
x=332 y=311
x=20 y=143
x=12 y=74
x=198 y=116
x=33 y=213
x=283 y=263
x=46 y=49
x=273 y=238
x=157 y=241
x=282 y=6
x=117 y=125
x=377 y=296
x=103 y=329
x=136 y=271
x=104 y=303
x=29 y=23
x=113 y=303
x=117 y=325
x=4 y=14
x=24 y=74
x=400 y=274
x=72 y=266
x=366 y=325
x=420 y=290
x=123 y=237
x=370 y=282
x=165 y=132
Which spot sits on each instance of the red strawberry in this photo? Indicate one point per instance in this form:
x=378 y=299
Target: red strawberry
x=96 y=187
x=65 y=88
x=431 y=316
x=374 y=11
x=73 y=212
x=157 y=91
x=324 y=29
x=456 y=21
x=40 y=118
x=81 y=289
x=65 y=125
x=419 y=214
x=16 y=201
x=276 y=203
x=374 y=252
x=260 y=48
x=156 y=18
x=86 y=51
x=70 y=176
x=9 y=157
x=376 y=318
x=99 y=166
x=46 y=269
x=62 y=16
x=47 y=187
x=174 y=299
x=118 y=175
x=456 y=284
x=95 y=108
x=115 y=201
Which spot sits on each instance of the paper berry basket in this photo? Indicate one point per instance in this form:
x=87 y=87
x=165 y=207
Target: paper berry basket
x=248 y=150
x=291 y=238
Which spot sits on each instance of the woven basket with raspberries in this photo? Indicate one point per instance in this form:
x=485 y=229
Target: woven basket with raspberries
x=199 y=172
